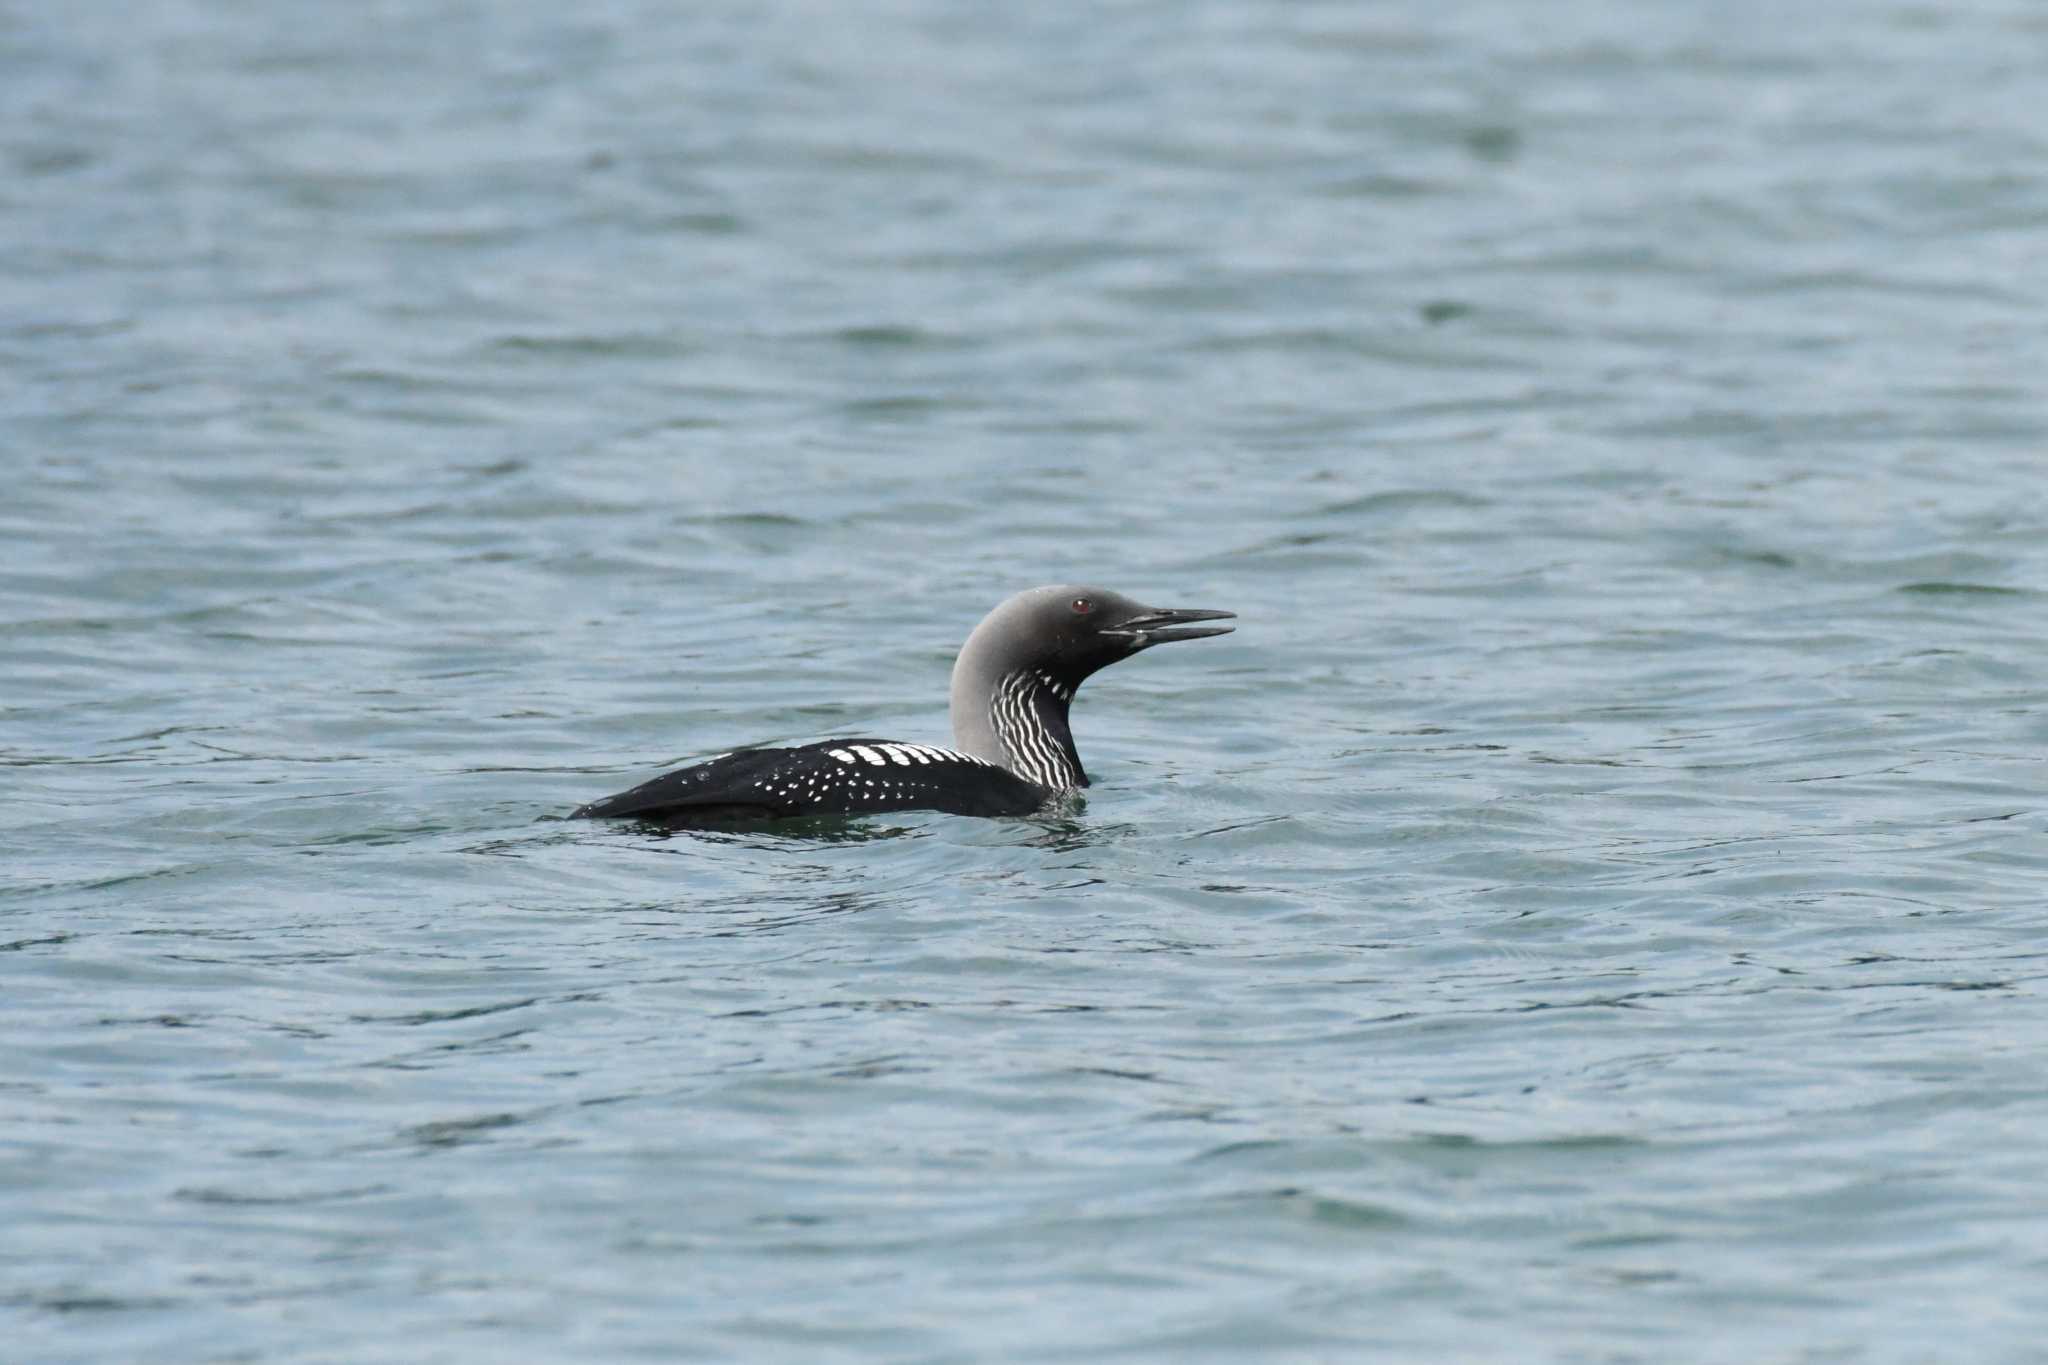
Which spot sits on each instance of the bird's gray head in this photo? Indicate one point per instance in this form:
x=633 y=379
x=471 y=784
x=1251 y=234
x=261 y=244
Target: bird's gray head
x=1069 y=631
x=1047 y=641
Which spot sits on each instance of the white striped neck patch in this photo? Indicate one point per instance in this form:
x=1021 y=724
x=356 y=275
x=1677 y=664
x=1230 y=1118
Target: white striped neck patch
x=1029 y=714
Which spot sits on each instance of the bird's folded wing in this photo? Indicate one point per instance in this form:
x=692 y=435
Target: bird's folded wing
x=835 y=777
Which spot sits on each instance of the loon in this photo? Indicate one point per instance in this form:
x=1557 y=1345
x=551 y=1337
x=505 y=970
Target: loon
x=1013 y=751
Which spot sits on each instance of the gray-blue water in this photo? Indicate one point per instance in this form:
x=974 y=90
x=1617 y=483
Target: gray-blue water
x=1592 y=910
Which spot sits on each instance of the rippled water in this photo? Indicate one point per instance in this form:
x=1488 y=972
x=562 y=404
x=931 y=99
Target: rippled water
x=1591 y=910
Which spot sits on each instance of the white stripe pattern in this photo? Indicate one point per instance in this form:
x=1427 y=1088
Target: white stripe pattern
x=1035 y=752
x=904 y=755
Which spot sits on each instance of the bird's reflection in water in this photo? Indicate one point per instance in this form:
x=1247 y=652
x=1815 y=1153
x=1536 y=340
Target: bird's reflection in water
x=1058 y=827
x=781 y=834
x=807 y=872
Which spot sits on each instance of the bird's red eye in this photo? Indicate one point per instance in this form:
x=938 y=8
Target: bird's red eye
x=1082 y=606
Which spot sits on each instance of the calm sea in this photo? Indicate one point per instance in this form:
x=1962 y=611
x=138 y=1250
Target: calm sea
x=1591 y=911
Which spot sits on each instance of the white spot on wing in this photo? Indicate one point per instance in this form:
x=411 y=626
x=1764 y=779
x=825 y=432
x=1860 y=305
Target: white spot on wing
x=842 y=755
x=870 y=755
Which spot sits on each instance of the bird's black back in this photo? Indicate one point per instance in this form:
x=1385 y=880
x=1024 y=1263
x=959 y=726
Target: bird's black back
x=834 y=777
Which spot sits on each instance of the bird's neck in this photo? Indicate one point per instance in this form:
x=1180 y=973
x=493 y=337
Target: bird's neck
x=1027 y=710
x=1015 y=716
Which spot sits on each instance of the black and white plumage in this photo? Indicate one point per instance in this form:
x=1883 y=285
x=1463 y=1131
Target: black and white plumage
x=1013 y=749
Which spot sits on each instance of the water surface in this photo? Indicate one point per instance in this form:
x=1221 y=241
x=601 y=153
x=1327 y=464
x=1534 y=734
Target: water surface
x=1590 y=911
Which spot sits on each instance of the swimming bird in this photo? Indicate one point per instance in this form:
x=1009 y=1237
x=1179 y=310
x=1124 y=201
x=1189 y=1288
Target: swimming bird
x=1013 y=751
